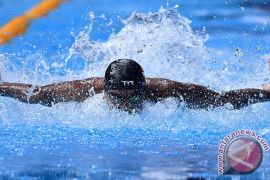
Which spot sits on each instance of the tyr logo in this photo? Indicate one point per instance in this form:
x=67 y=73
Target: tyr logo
x=128 y=83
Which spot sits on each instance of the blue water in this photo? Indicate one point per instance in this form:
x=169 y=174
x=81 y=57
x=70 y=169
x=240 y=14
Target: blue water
x=190 y=41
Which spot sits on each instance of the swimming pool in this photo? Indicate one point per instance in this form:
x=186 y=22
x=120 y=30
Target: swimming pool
x=219 y=44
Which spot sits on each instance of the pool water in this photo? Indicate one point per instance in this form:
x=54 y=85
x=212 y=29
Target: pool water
x=223 y=45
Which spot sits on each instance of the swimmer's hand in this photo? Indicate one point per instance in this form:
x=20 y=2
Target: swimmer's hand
x=266 y=87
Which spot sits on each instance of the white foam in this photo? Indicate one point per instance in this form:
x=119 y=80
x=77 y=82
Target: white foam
x=162 y=42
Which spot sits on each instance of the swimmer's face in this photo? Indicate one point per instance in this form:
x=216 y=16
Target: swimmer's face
x=127 y=100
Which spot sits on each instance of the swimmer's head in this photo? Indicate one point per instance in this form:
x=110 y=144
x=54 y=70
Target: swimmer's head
x=125 y=85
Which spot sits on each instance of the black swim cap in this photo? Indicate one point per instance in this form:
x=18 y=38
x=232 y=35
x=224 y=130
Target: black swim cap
x=124 y=74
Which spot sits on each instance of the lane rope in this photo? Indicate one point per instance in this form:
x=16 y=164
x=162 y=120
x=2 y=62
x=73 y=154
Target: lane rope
x=18 y=26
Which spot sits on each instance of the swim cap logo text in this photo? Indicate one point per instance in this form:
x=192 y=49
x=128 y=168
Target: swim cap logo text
x=128 y=83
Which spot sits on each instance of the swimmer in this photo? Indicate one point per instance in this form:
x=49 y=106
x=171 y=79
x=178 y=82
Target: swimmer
x=125 y=87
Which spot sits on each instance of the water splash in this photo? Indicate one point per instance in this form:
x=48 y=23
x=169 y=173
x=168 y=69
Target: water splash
x=166 y=46
x=164 y=38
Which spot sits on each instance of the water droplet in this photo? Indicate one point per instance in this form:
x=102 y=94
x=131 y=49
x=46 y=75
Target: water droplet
x=238 y=52
x=139 y=50
x=91 y=15
x=228 y=106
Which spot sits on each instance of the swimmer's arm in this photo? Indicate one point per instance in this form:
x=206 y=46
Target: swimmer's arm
x=15 y=90
x=244 y=97
x=48 y=95
x=197 y=96
x=192 y=95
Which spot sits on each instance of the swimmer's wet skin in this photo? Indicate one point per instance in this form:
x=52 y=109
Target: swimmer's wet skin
x=126 y=88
